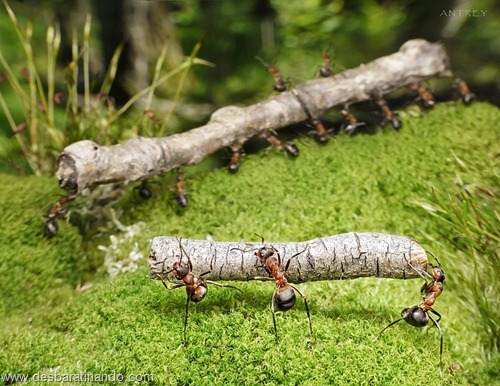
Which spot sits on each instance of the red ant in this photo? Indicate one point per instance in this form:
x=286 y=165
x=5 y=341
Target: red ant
x=424 y=95
x=352 y=122
x=284 y=296
x=391 y=116
x=325 y=70
x=419 y=315
x=290 y=148
x=51 y=227
x=181 y=197
x=279 y=84
x=466 y=94
x=320 y=133
x=234 y=163
x=196 y=287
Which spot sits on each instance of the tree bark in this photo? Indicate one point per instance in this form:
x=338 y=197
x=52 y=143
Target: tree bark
x=85 y=163
x=343 y=256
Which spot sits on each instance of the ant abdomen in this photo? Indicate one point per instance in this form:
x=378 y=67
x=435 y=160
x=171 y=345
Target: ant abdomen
x=51 y=227
x=285 y=298
x=415 y=316
x=197 y=294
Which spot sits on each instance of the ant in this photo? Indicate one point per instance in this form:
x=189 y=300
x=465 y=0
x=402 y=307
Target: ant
x=390 y=116
x=196 y=287
x=284 y=296
x=181 y=197
x=290 y=148
x=424 y=95
x=325 y=70
x=320 y=133
x=279 y=84
x=419 y=315
x=465 y=93
x=144 y=190
x=51 y=227
x=352 y=122
x=234 y=163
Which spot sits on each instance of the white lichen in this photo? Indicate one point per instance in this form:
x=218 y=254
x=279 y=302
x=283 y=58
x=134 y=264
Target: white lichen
x=117 y=260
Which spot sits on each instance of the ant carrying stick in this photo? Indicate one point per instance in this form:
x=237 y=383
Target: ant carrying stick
x=290 y=148
x=196 y=287
x=419 y=315
x=181 y=197
x=325 y=70
x=279 y=84
x=424 y=95
x=320 y=132
x=284 y=296
x=390 y=116
x=465 y=93
x=234 y=163
x=51 y=227
x=351 y=122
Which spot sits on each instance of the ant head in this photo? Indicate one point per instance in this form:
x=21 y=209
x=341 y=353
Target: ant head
x=438 y=273
x=198 y=293
x=284 y=298
x=264 y=253
x=416 y=316
x=180 y=270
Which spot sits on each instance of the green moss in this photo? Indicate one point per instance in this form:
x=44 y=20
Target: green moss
x=132 y=325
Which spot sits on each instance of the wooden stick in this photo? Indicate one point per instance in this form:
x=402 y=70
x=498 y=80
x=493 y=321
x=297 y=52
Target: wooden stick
x=85 y=163
x=343 y=256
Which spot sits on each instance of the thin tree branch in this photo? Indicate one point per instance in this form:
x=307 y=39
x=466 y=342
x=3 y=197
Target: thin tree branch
x=343 y=256
x=85 y=163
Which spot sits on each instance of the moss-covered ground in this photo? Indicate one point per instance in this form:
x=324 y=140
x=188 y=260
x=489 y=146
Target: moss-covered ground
x=131 y=325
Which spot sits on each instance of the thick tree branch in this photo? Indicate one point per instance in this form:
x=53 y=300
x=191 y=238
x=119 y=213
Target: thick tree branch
x=84 y=164
x=343 y=256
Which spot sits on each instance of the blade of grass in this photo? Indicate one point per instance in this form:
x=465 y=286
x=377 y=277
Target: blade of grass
x=111 y=73
x=86 y=62
x=180 y=86
x=160 y=81
x=16 y=132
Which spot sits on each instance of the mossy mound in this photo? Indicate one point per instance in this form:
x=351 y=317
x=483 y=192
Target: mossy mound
x=132 y=325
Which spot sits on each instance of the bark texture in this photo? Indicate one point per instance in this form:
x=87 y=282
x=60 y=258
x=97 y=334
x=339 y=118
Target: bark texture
x=343 y=256
x=85 y=163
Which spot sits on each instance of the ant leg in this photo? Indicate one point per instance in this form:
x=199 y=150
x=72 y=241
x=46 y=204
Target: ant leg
x=186 y=318
x=290 y=259
x=190 y=265
x=173 y=287
x=391 y=324
x=274 y=319
x=420 y=272
x=436 y=313
x=441 y=341
x=307 y=308
x=222 y=285
x=262 y=278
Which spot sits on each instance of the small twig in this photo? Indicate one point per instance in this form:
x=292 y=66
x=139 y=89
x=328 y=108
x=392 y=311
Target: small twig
x=344 y=256
x=85 y=163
